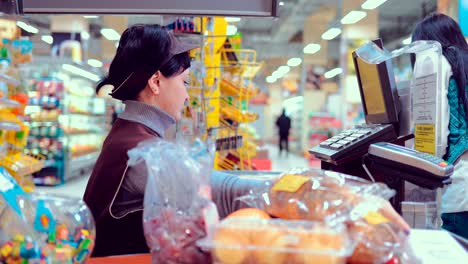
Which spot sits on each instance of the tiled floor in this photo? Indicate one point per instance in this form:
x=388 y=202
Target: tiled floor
x=76 y=187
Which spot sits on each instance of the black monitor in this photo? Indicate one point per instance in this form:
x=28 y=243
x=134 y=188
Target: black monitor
x=378 y=90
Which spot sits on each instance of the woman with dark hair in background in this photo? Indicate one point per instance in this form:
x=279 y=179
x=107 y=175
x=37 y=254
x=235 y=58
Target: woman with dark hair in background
x=447 y=32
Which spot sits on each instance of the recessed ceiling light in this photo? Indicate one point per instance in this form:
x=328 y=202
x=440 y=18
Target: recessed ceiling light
x=353 y=17
x=312 y=48
x=372 y=4
x=294 y=62
x=110 y=34
x=331 y=33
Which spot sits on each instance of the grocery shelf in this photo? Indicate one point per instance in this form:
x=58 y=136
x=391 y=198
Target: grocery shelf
x=9 y=80
x=7 y=103
x=9 y=126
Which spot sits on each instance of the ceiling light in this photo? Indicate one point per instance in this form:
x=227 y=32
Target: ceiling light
x=85 y=35
x=270 y=79
x=89 y=17
x=407 y=41
x=332 y=73
x=372 y=4
x=47 y=39
x=231 y=30
x=95 y=63
x=110 y=34
x=27 y=27
x=81 y=72
x=276 y=74
x=331 y=33
x=353 y=17
x=283 y=70
x=312 y=48
x=281 y=3
x=294 y=62
x=232 y=19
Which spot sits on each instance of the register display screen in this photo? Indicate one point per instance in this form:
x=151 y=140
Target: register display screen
x=371 y=88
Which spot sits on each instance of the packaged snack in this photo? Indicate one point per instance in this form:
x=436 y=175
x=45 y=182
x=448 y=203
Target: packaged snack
x=36 y=228
x=314 y=194
x=261 y=241
x=178 y=210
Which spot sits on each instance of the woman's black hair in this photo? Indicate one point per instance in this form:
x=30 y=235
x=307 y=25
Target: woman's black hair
x=447 y=32
x=143 y=50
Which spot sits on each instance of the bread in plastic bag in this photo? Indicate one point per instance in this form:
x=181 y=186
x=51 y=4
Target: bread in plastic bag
x=313 y=194
x=178 y=209
x=275 y=241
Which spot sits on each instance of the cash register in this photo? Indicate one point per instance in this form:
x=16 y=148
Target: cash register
x=381 y=107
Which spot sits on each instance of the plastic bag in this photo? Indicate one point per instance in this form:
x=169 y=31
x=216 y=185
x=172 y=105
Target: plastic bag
x=178 y=209
x=312 y=194
x=37 y=228
x=275 y=241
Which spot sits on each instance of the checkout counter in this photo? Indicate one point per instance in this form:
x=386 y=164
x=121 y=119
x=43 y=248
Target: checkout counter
x=376 y=150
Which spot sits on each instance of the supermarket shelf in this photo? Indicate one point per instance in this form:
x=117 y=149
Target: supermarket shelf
x=9 y=80
x=90 y=132
x=9 y=126
x=77 y=166
x=43 y=123
x=8 y=103
x=84 y=114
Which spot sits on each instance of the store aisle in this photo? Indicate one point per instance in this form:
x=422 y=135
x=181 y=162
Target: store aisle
x=284 y=163
x=74 y=188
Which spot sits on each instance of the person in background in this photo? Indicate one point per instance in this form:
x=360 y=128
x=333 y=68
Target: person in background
x=447 y=32
x=284 y=125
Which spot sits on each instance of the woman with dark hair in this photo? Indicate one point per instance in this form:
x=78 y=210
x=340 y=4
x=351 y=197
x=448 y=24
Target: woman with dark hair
x=149 y=73
x=447 y=32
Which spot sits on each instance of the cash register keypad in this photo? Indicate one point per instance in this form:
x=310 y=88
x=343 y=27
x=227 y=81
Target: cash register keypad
x=345 y=138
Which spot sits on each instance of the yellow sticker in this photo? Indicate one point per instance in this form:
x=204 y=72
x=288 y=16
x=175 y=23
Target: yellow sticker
x=375 y=218
x=425 y=138
x=290 y=183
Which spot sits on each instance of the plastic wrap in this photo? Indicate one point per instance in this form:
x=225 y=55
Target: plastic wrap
x=178 y=209
x=317 y=195
x=46 y=229
x=260 y=241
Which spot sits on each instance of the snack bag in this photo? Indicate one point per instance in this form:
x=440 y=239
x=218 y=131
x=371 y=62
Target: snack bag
x=178 y=210
x=312 y=194
x=37 y=228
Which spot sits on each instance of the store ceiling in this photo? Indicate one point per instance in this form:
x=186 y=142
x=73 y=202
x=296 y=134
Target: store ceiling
x=282 y=37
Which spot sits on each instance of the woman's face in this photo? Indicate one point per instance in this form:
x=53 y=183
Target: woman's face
x=173 y=93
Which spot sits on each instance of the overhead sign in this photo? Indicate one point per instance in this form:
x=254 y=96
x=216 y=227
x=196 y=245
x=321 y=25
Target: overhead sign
x=265 y=8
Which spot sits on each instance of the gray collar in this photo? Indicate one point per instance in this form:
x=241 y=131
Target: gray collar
x=148 y=115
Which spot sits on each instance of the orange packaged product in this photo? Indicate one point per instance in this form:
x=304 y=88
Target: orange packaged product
x=274 y=241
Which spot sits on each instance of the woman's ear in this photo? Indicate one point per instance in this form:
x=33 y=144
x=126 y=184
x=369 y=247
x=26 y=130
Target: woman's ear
x=154 y=82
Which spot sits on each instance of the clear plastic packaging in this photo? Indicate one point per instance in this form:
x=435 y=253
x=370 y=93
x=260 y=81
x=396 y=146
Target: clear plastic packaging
x=46 y=229
x=376 y=243
x=178 y=210
x=260 y=241
x=316 y=195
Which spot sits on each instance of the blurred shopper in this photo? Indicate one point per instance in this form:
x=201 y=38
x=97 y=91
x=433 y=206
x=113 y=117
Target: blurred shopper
x=284 y=125
x=447 y=32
